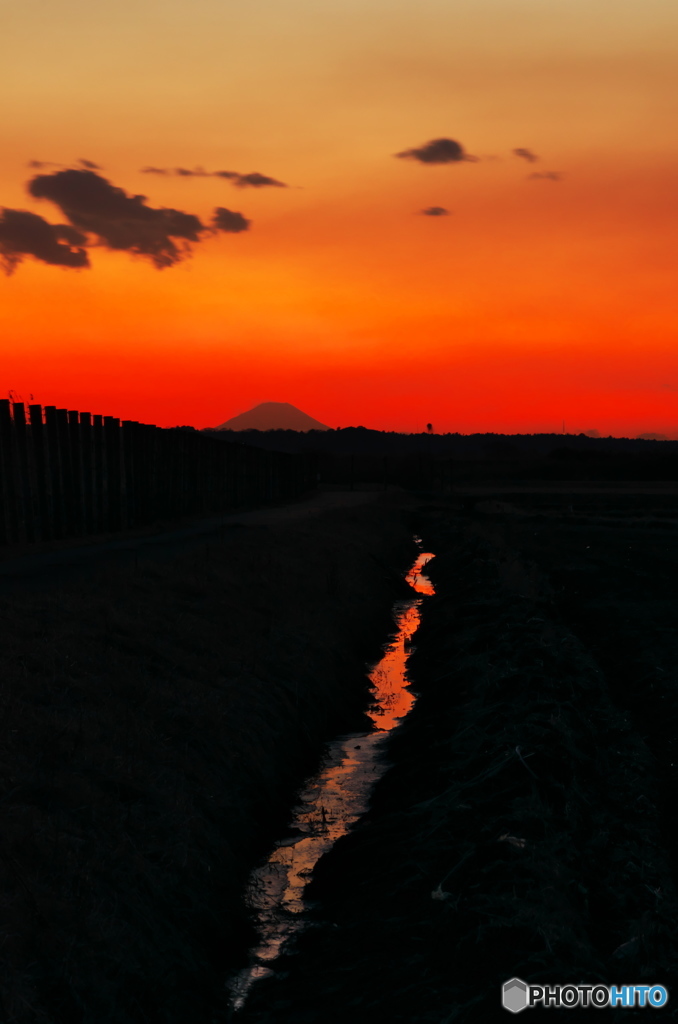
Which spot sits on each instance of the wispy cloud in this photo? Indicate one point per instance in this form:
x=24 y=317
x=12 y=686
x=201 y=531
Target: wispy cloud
x=251 y=180
x=526 y=154
x=545 y=176
x=38 y=165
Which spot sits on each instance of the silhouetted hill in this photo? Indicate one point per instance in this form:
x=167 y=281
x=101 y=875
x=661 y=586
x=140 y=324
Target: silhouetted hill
x=273 y=416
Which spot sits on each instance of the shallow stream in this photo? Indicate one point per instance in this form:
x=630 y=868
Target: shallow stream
x=333 y=799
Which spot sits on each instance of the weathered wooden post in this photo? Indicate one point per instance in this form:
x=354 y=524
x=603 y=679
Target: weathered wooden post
x=113 y=472
x=99 y=475
x=42 y=473
x=8 y=508
x=88 y=496
x=129 y=466
x=153 y=470
x=74 y=441
x=26 y=494
x=54 y=467
x=66 y=461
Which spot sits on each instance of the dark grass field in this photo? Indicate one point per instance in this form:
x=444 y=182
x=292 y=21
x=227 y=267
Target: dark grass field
x=527 y=826
x=157 y=717
x=160 y=710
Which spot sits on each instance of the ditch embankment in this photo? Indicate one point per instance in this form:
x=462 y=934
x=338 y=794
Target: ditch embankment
x=526 y=826
x=158 y=713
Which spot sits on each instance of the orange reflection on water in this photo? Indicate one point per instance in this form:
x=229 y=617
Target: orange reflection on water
x=333 y=800
x=392 y=699
x=416 y=578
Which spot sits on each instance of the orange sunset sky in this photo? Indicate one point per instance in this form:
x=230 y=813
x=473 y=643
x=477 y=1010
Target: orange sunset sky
x=547 y=291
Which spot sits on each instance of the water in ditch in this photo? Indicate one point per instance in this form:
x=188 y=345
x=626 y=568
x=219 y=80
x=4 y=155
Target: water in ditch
x=333 y=799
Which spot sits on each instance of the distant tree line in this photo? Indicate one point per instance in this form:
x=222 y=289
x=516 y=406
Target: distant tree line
x=356 y=455
x=489 y=446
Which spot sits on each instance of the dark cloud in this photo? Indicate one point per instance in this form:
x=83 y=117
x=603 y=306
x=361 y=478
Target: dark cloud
x=89 y=165
x=252 y=180
x=435 y=211
x=437 y=151
x=26 y=234
x=67 y=233
x=228 y=220
x=119 y=221
x=545 y=176
x=526 y=154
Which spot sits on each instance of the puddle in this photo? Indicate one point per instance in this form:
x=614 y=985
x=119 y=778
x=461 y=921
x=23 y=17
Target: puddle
x=332 y=800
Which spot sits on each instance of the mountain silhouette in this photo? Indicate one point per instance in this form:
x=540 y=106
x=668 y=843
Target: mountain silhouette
x=273 y=416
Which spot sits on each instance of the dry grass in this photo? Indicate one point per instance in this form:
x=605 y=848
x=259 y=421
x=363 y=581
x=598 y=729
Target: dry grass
x=156 y=721
x=517 y=833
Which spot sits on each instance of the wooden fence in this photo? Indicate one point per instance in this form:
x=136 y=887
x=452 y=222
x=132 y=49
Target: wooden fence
x=68 y=474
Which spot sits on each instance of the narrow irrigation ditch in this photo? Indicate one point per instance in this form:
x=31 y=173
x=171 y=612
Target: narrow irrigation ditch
x=519 y=830
x=333 y=799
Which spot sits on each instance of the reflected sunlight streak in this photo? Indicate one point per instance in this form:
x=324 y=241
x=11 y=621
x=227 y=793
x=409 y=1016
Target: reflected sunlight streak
x=334 y=799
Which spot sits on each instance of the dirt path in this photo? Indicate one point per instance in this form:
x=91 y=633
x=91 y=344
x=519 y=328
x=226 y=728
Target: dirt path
x=58 y=562
x=158 y=714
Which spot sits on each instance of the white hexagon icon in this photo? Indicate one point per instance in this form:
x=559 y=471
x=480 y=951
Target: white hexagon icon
x=514 y=995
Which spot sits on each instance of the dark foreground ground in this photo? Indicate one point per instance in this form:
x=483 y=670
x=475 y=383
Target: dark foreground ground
x=159 y=707
x=528 y=824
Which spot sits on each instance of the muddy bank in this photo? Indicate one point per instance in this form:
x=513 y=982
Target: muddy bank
x=157 y=718
x=521 y=830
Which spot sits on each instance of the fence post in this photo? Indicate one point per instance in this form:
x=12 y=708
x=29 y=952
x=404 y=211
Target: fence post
x=75 y=442
x=28 y=501
x=141 y=433
x=99 y=481
x=75 y=473
x=129 y=466
x=113 y=472
x=152 y=470
x=42 y=473
x=8 y=508
x=66 y=459
x=54 y=470
x=88 y=497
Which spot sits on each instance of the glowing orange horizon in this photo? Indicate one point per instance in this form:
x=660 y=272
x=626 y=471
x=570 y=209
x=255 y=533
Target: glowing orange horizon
x=532 y=301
